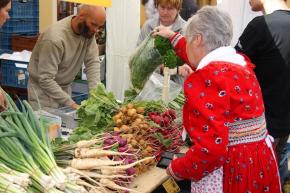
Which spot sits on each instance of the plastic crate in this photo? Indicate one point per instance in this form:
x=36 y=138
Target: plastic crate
x=79 y=97
x=21 y=25
x=14 y=73
x=6 y=39
x=24 y=9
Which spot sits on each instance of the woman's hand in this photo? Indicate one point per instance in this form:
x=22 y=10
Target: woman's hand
x=163 y=31
x=185 y=70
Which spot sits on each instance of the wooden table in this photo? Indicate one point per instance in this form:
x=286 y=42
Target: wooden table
x=150 y=180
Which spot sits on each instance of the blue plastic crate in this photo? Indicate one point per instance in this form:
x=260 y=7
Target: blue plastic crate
x=14 y=73
x=79 y=97
x=5 y=41
x=21 y=25
x=24 y=9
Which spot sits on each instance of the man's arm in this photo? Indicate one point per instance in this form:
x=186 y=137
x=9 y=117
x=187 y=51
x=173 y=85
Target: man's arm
x=49 y=59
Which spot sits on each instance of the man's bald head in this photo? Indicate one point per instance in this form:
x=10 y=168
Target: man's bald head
x=89 y=19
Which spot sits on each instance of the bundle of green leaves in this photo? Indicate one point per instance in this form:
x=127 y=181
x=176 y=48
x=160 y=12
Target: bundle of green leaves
x=168 y=55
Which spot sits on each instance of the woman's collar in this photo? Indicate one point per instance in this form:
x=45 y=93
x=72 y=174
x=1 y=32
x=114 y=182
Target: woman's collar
x=222 y=54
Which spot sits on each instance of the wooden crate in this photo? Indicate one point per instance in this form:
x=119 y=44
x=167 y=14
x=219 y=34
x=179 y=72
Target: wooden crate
x=21 y=42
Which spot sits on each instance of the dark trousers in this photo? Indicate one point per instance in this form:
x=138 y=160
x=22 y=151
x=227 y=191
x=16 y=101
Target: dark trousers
x=279 y=144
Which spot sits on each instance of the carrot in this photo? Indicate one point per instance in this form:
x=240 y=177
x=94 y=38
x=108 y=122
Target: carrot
x=96 y=153
x=112 y=185
x=92 y=163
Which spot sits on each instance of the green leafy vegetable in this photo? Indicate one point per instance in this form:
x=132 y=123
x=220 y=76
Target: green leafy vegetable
x=168 y=55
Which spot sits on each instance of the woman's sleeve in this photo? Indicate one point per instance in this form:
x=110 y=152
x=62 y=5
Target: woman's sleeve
x=207 y=101
x=179 y=43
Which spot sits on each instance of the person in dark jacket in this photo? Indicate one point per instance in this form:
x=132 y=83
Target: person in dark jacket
x=266 y=42
x=189 y=8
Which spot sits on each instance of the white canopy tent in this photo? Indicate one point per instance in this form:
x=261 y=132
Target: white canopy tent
x=241 y=14
x=123 y=27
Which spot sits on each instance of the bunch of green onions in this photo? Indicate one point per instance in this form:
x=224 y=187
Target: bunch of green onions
x=25 y=147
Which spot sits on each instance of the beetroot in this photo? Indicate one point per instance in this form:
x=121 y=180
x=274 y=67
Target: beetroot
x=130 y=171
x=109 y=141
x=122 y=142
x=123 y=149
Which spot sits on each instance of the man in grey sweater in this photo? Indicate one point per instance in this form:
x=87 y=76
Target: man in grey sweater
x=59 y=54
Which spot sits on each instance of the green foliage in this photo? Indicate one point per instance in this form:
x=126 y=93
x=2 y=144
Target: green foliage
x=168 y=55
x=95 y=114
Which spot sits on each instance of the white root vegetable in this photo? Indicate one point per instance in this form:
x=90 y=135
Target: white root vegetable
x=92 y=163
x=96 y=153
x=87 y=143
x=112 y=185
x=70 y=170
x=124 y=167
x=97 y=175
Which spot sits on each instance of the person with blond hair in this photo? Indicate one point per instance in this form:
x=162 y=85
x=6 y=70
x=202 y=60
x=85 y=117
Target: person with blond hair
x=223 y=113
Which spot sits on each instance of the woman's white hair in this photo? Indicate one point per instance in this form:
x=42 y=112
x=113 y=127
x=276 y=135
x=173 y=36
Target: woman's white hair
x=214 y=25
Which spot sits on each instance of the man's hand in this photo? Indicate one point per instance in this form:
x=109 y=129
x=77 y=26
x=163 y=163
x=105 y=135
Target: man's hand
x=74 y=105
x=3 y=102
x=163 y=31
x=185 y=70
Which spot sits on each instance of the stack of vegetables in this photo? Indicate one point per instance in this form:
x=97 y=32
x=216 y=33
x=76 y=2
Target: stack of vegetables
x=150 y=135
x=95 y=114
x=13 y=181
x=25 y=147
x=99 y=168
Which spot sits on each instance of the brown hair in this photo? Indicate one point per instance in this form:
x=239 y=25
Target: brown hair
x=174 y=3
x=3 y=3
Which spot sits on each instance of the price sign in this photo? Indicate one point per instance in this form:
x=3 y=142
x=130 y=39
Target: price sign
x=105 y=3
x=171 y=186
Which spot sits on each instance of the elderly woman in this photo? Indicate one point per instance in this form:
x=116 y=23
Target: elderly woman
x=223 y=113
x=5 y=6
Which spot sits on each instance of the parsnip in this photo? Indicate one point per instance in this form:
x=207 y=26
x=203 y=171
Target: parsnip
x=96 y=153
x=87 y=143
x=124 y=167
x=92 y=163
